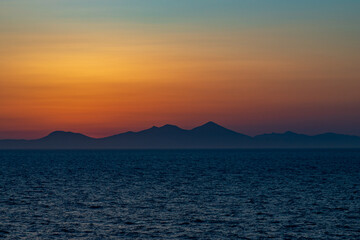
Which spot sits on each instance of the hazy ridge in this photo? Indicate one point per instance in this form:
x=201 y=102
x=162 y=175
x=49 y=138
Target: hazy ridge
x=209 y=135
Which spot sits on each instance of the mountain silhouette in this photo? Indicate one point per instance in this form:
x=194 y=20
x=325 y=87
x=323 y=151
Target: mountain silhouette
x=212 y=128
x=287 y=139
x=64 y=136
x=208 y=135
x=213 y=135
x=65 y=139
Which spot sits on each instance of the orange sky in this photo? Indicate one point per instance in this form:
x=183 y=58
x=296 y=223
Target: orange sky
x=102 y=77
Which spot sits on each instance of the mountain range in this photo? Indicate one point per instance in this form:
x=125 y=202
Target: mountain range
x=209 y=135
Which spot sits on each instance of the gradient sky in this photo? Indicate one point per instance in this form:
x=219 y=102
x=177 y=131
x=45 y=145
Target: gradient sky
x=106 y=66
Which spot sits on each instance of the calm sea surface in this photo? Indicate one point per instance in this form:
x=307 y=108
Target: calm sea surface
x=248 y=194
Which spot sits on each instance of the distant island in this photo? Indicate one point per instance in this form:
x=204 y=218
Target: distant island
x=207 y=136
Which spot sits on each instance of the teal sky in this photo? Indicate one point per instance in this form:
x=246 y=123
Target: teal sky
x=330 y=13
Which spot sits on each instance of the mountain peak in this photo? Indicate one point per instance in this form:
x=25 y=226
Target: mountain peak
x=62 y=134
x=211 y=124
x=169 y=126
x=290 y=133
x=212 y=128
x=166 y=129
x=57 y=133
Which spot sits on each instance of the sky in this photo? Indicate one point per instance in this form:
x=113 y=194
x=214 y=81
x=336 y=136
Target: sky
x=108 y=66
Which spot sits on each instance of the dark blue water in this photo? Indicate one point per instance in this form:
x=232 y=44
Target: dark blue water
x=285 y=194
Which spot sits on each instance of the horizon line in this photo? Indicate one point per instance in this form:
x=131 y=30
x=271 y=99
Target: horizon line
x=172 y=125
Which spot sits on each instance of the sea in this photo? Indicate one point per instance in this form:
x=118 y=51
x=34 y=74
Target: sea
x=180 y=194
